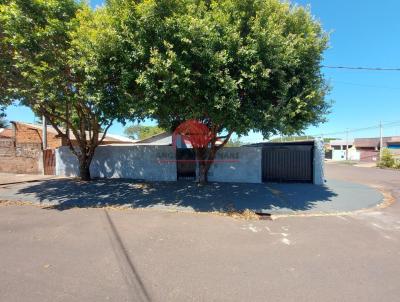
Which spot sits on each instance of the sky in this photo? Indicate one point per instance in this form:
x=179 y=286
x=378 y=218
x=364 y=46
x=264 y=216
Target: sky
x=362 y=33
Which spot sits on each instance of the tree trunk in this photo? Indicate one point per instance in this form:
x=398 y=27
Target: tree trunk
x=84 y=168
x=203 y=173
x=205 y=158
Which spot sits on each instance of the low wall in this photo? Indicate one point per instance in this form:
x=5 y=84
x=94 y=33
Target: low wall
x=22 y=158
x=134 y=162
x=158 y=163
x=239 y=164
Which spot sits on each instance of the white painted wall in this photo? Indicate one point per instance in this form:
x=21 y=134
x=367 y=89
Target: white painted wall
x=319 y=156
x=237 y=164
x=338 y=155
x=153 y=163
x=157 y=163
x=341 y=155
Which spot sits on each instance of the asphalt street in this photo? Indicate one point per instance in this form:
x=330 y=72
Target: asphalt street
x=93 y=254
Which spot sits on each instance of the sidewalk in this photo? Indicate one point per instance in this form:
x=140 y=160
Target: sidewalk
x=335 y=196
x=10 y=178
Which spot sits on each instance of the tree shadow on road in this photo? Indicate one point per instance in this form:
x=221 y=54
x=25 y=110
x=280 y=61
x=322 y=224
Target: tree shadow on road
x=64 y=194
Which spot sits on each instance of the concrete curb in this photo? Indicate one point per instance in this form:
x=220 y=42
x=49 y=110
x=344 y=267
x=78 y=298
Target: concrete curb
x=387 y=201
x=27 y=181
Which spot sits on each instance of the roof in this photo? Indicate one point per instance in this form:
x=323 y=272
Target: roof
x=341 y=142
x=50 y=129
x=265 y=144
x=374 y=142
x=394 y=139
x=5 y=133
x=165 y=139
x=161 y=139
x=121 y=138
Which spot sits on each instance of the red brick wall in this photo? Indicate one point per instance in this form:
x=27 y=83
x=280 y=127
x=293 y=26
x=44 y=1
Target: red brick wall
x=6 y=133
x=23 y=158
x=27 y=134
x=368 y=154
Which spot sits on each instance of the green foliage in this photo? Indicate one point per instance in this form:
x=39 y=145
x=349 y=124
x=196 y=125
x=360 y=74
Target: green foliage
x=299 y=138
x=292 y=138
x=236 y=65
x=387 y=160
x=234 y=143
x=3 y=122
x=59 y=62
x=142 y=132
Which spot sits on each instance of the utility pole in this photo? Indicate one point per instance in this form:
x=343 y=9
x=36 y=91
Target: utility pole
x=380 y=140
x=44 y=132
x=347 y=144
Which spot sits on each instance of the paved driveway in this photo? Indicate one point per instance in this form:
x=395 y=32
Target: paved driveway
x=107 y=255
x=334 y=196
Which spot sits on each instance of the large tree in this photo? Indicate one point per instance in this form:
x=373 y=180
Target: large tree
x=141 y=132
x=60 y=63
x=233 y=65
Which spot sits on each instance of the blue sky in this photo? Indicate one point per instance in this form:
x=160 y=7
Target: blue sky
x=363 y=33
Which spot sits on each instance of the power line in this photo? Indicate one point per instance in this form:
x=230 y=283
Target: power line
x=366 y=85
x=395 y=123
x=361 y=68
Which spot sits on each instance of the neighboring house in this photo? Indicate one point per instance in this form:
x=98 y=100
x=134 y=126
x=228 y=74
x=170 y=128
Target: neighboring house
x=342 y=150
x=5 y=133
x=341 y=144
x=21 y=148
x=161 y=139
x=33 y=133
x=369 y=148
x=165 y=139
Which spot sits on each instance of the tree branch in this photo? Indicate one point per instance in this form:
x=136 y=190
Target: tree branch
x=55 y=126
x=227 y=138
x=105 y=132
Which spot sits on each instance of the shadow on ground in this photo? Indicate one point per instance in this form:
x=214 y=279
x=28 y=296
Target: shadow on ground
x=183 y=195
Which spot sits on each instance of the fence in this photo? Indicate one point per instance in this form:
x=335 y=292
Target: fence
x=159 y=163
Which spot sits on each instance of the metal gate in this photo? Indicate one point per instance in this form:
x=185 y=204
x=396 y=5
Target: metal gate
x=186 y=164
x=288 y=162
x=49 y=162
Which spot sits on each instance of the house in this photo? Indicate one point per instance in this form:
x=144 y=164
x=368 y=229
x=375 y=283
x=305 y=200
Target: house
x=21 y=147
x=5 y=133
x=161 y=139
x=341 y=144
x=165 y=139
x=33 y=133
x=256 y=163
x=369 y=148
x=342 y=150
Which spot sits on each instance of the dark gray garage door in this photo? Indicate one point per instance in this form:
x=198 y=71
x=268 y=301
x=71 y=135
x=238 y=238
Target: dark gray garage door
x=287 y=162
